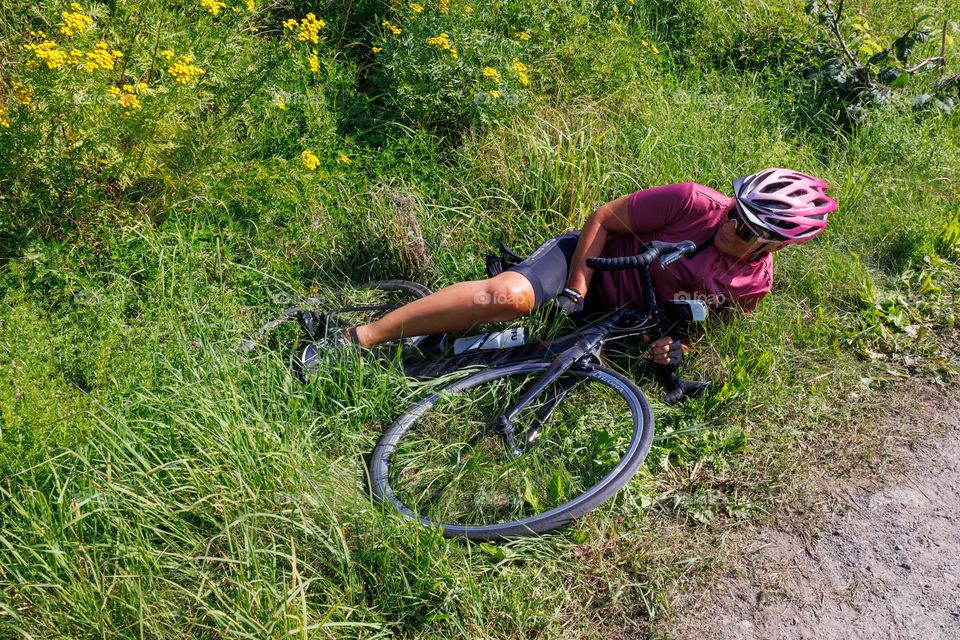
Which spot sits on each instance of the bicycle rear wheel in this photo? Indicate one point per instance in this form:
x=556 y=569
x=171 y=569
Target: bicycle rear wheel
x=355 y=305
x=443 y=464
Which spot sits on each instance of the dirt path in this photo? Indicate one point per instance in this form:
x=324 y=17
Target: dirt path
x=888 y=568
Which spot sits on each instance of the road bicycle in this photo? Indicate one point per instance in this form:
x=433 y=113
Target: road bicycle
x=533 y=436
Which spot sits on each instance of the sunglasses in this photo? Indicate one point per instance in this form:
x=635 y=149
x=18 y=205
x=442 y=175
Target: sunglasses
x=748 y=234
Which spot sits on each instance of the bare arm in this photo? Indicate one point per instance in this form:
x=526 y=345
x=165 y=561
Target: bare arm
x=609 y=218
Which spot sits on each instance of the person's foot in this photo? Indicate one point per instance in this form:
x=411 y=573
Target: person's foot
x=307 y=358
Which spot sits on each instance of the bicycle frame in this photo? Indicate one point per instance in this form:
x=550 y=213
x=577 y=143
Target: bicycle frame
x=587 y=346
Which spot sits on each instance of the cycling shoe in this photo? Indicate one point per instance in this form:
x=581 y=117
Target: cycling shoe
x=308 y=354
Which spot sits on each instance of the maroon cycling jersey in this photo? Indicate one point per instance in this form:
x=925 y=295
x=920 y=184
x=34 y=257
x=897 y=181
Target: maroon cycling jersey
x=673 y=213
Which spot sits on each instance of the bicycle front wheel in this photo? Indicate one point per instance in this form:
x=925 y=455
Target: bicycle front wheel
x=443 y=463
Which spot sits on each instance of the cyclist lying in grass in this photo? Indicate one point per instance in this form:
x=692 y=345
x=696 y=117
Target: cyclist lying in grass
x=733 y=267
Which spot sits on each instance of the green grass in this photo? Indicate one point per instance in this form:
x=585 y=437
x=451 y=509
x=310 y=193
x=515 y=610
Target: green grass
x=157 y=482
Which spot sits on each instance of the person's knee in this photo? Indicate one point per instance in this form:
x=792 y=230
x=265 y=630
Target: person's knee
x=510 y=293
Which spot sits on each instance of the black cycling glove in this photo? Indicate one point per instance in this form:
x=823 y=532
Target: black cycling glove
x=675 y=352
x=570 y=301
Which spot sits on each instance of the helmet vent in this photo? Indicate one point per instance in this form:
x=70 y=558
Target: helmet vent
x=776 y=186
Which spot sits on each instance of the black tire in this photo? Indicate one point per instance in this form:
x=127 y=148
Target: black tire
x=401 y=456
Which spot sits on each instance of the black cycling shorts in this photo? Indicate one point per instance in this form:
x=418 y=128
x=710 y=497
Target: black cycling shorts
x=547 y=267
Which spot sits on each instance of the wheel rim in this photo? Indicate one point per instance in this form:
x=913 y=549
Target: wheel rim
x=441 y=462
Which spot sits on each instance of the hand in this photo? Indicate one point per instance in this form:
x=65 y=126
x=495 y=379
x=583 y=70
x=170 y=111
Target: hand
x=567 y=303
x=666 y=351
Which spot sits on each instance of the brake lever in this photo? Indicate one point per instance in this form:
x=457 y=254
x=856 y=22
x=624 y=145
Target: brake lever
x=686 y=247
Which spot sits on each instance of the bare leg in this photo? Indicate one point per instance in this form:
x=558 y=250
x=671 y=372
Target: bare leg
x=504 y=297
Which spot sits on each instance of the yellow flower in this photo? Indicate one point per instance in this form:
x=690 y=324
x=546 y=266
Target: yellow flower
x=444 y=6
x=344 y=159
x=290 y=24
x=183 y=71
x=142 y=87
x=521 y=70
x=310 y=28
x=126 y=97
x=74 y=56
x=454 y=53
x=166 y=54
x=521 y=35
x=468 y=9
x=314 y=62
x=74 y=22
x=377 y=49
x=495 y=93
x=101 y=58
x=416 y=8
x=213 y=6
x=129 y=101
x=280 y=103
x=24 y=95
x=653 y=48
x=251 y=5
x=4 y=117
x=645 y=43
x=493 y=74
x=392 y=28
x=48 y=53
x=442 y=41
x=309 y=159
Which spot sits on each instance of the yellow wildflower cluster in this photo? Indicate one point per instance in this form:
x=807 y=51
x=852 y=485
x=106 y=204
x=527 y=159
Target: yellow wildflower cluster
x=444 y=6
x=166 y=54
x=183 y=71
x=344 y=159
x=128 y=96
x=75 y=21
x=443 y=42
x=376 y=49
x=314 y=61
x=310 y=159
x=653 y=48
x=416 y=8
x=493 y=74
x=251 y=5
x=494 y=93
x=214 y=7
x=101 y=57
x=24 y=95
x=280 y=103
x=309 y=28
x=468 y=9
x=4 y=117
x=46 y=52
x=392 y=28
x=521 y=70
x=521 y=35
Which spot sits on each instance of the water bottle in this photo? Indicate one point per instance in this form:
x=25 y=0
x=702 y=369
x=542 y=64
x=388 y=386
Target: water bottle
x=494 y=340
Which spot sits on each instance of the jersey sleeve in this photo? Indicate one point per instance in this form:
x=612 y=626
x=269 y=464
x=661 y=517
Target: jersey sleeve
x=659 y=207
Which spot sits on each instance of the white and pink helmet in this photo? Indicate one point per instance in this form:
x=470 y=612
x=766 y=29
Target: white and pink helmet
x=786 y=206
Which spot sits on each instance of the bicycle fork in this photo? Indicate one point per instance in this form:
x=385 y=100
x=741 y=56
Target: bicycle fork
x=504 y=426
